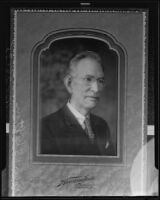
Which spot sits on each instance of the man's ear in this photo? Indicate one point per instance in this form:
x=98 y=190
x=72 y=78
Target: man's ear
x=67 y=83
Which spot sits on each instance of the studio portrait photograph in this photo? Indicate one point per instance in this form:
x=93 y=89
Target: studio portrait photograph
x=79 y=95
x=79 y=103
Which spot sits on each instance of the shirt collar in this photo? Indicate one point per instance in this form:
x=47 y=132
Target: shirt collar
x=75 y=112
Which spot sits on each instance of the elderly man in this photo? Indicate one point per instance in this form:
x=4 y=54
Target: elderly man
x=73 y=130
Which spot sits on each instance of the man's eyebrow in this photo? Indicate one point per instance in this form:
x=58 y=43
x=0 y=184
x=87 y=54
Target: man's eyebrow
x=88 y=75
x=102 y=77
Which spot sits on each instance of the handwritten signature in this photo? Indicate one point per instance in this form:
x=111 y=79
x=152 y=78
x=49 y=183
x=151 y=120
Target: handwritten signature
x=78 y=181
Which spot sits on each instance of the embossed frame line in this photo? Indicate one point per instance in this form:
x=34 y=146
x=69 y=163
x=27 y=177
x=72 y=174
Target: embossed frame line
x=122 y=70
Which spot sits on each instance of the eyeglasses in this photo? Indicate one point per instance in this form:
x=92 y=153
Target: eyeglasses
x=89 y=80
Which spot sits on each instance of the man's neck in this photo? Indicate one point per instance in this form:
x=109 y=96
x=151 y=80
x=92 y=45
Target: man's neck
x=81 y=110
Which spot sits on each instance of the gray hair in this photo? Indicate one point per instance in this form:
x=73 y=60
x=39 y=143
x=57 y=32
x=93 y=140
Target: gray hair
x=82 y=55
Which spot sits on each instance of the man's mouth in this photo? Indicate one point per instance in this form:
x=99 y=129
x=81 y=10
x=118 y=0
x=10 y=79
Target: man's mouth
x=93 y=97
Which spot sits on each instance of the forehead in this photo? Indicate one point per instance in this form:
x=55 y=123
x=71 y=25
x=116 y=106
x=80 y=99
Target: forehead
x=88 y=66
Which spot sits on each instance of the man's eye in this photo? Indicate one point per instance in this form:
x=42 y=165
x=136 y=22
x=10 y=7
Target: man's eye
x=88 y=79
x=101 y=81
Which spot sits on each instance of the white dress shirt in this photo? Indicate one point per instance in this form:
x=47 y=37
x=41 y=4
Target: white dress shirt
x=80 y=118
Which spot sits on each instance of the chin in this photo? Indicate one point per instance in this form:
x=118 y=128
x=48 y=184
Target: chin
x=91 y=105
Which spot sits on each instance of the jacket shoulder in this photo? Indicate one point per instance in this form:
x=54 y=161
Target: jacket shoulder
x=52 y=117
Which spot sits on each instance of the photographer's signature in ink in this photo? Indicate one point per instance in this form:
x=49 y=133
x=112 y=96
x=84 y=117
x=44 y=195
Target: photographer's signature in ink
x=78 y=181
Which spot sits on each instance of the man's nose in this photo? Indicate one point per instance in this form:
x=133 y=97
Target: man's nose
x=95 y=86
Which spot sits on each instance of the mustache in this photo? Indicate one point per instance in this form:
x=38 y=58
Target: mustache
x=93 y=96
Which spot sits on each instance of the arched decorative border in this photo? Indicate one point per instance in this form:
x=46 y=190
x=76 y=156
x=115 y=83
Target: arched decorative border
x=114 y=45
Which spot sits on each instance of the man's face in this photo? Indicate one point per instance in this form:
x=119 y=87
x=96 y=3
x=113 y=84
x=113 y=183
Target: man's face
x=87 y=84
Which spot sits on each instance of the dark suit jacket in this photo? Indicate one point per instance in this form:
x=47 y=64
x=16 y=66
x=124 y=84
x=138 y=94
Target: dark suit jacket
x=62 y=134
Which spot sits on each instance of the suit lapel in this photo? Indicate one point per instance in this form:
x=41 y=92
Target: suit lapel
x=94 y=125
x=77 y=136
x=100 y=137
x=72 y=124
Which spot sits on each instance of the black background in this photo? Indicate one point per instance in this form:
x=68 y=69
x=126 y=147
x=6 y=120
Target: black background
x=153 y=7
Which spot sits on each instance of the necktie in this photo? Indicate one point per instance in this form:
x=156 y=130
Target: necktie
x=88 y=129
